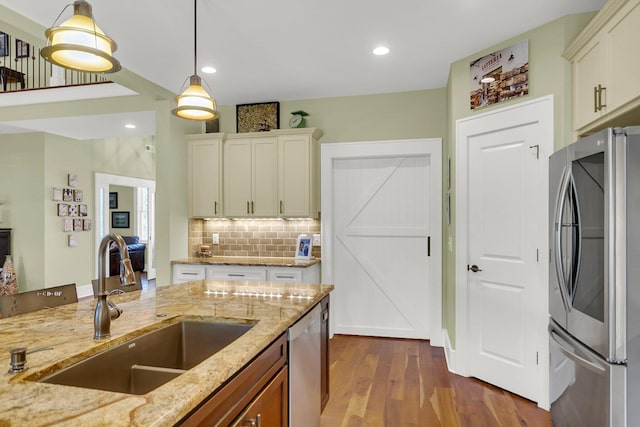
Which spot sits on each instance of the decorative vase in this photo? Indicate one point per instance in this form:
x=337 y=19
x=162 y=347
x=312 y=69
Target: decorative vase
x=8 y=281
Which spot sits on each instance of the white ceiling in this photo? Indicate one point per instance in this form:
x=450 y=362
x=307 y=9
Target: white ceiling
x=299 y=49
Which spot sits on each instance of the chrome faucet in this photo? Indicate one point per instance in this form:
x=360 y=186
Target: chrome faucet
x=106 y=310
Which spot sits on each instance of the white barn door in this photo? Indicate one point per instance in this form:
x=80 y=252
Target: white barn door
x=381 y=237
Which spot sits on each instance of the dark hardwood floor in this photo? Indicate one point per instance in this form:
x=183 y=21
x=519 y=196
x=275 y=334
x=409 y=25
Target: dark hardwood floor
x=397 y=382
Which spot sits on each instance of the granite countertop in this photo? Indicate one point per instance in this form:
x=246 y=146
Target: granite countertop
x=240 y=260
x=66 y=333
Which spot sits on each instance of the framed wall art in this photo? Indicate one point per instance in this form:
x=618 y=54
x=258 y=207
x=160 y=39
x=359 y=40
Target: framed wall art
x=500 y=76
x=119 y=219
x=261 y=117
x=113 y=200
x=22 y=49
x=4 y=44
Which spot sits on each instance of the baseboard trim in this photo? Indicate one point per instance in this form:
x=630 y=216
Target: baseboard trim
x=449 y=352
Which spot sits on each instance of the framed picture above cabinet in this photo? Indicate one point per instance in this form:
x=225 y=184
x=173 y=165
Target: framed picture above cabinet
x=261 y=117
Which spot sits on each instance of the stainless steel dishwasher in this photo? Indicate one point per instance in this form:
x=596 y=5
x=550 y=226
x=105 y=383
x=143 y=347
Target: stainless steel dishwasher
x=304 y=371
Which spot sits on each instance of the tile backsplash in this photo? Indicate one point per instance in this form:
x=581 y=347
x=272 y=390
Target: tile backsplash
x=254 y=238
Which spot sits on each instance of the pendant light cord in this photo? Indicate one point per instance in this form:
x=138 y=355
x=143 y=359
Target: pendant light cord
x=195 y=36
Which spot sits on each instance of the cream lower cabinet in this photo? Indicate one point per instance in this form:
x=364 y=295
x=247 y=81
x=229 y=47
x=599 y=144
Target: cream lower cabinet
x=606 y=85
x=251 y=176
x=188 y=272
x=205 y=175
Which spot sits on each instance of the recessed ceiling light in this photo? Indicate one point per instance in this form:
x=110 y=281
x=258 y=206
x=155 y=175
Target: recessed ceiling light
x=130 y=126
x=208 y=70
x=381 y=50
x=488 y=80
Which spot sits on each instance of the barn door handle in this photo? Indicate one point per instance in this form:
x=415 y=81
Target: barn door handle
x=473 y=268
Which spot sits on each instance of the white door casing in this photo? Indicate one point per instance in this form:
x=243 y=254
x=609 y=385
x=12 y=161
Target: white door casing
x=381 y=209
x=103 y=217
x=502 y=227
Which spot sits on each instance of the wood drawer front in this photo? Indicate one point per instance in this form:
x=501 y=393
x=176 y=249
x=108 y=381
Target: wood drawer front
x=271 y=407
x=229 y=401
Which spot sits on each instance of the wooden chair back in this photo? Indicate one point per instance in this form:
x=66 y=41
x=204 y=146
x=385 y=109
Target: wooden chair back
x=113 y=284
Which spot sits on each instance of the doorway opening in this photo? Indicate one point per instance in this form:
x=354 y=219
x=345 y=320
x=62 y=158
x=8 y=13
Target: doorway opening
x=133 y=210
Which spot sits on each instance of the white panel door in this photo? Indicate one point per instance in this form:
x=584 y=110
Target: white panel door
x=503 y=206
x=383 y=215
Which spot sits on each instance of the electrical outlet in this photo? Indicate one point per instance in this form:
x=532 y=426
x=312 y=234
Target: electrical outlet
x=316 y=240
x=215 y=237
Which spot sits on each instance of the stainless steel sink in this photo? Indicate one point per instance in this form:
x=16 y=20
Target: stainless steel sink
x=144 y=363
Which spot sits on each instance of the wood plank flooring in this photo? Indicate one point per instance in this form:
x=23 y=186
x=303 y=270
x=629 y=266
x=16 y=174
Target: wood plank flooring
x=397 y=382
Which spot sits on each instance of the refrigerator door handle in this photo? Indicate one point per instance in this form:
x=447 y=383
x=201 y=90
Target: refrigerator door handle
x=575 y=353
x=560 y=272
x=576 y=240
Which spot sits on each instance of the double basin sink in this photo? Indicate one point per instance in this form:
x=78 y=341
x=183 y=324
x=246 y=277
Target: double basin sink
x=141 y=364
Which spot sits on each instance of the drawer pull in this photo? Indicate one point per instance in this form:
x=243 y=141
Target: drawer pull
x=235 y=275
x=189 y=273
x=284 y=276
x=253 y=422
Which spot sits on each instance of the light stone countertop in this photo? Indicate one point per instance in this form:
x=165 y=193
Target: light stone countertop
x=68 y=330
x=257 y=261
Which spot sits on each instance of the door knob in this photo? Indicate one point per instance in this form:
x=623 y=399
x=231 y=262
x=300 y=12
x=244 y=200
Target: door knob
x=473 y=268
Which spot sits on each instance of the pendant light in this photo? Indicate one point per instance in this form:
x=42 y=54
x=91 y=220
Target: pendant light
x=195 y=102
x=79 y=44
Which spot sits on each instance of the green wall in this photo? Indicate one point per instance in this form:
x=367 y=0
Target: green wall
x=22 y=203
x=549 y=74
x=31 y=165
x=399 y=115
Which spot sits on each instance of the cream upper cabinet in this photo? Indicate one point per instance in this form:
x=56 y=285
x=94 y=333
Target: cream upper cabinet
x=623 y=42
x=298 y=175
x=606 y=86
x=251 y=176
x=205 y=175
x=589 y=76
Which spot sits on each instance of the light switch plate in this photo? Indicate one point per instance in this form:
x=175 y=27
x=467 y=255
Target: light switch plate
x=316 y=240
x=215 y=237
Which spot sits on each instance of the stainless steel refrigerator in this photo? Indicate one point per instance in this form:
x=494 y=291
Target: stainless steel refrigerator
x=594 y=281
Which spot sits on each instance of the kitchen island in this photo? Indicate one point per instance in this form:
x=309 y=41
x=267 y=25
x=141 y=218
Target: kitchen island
x=65 y=334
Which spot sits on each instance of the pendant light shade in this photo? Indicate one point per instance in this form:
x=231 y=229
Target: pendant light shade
x=195 y=103
x=79 y=44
